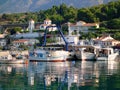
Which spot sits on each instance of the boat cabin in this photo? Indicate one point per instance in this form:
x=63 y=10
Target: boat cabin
x=105 y=52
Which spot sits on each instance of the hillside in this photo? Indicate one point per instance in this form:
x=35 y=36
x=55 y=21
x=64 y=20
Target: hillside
x=108 y=15
x=13 y=6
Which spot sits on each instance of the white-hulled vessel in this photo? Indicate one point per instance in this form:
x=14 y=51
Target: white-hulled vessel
x=51 y=54
x=85 y=55
x=107 y=54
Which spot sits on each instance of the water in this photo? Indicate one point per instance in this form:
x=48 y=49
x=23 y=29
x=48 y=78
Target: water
x=85 y=75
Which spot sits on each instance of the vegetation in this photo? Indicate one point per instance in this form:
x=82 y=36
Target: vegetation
x=117 y=35
x=24 y=47
x=1 y=47
x=108 y=15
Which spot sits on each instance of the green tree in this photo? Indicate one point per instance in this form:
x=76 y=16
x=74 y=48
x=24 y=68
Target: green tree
x=57 y=19
x=114 y=24
x=17 y=29
x=117 y=35
x=86 y=15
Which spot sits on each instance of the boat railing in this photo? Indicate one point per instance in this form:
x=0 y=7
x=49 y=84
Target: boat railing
x=49 y=48
x=102 y=55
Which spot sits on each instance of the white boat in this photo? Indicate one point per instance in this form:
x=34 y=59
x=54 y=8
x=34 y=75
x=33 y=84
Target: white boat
x=48 y=54
x=5 y=55
x=7 y=58
x=85 y=55
x=107 y=54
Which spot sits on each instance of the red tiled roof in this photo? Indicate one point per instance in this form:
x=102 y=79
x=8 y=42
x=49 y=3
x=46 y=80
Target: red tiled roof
x=102 y=37
x=20 y=41
x=111 y=40
x=86 y=24
x=90 y=24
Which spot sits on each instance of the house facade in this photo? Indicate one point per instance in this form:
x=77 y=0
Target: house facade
x=3 y=41
x=47 y=23
x=81 y=26
x=31 y=25
x=20 y=42
x=72 y=40
x=26 y=42
x=27 y=35
x=106 y=41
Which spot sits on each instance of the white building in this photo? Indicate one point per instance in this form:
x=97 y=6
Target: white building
x=19 y=42
x=3 y=41
x=47 y=23
x=31 y=25
x=106 y=41
x=27 y=35
x=81 y=26
x=73 y=40
x=26 y=42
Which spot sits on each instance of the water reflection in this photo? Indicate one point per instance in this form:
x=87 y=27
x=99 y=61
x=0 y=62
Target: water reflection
x=10 y=68
x=47 y=72
x=59 y=75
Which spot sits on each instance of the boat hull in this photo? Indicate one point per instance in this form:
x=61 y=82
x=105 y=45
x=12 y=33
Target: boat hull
x=85 y=56
x=49 y=59
x=110 y=57
x=53 y=56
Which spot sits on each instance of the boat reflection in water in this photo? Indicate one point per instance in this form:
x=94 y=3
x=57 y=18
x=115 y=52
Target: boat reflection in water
x=10 y=68
x=47 y=72
x=61 y=75
x=68 y=74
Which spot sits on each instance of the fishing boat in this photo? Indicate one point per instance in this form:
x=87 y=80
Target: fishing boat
x=7 y=58
x=107 y=54
x=82 y=54
x=51 y=54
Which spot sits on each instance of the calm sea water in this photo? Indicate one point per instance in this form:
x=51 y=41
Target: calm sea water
x=84 y=75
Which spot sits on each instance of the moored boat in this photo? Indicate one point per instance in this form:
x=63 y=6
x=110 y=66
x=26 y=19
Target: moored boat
x=51 y=54
x=107 y=54
x=7 y=58
x=82 y=54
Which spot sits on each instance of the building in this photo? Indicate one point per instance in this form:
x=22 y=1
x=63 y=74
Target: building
x=5 y=55
x=3 y=41
x=27 y=35
x=20 y=42
x=81 y=26
x=106 y=41
x=72 y=40
x=26 y=42
x=47 y=23
x=31 y=25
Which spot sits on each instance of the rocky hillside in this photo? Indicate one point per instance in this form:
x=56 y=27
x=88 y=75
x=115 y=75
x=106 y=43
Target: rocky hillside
x=12 y=6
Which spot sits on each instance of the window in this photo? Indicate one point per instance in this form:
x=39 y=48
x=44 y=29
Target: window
x=5 y=57
x=40 y=55
x=42 y=26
